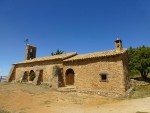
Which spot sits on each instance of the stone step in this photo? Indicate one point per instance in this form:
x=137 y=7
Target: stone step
x=68 y=88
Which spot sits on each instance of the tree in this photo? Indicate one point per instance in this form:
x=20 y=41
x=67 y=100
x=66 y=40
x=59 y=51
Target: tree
x=139 y=59
x=58 y=52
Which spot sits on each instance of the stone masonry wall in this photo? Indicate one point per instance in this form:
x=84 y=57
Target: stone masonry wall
x=46 y=66
x=126 y=73
x=87 y=74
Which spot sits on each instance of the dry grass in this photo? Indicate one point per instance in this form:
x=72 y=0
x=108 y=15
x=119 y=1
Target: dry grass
x=3 y=111
x=141 y=92
x=27 y=98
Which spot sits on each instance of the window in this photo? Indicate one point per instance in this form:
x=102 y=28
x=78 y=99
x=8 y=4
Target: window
x=103 y=77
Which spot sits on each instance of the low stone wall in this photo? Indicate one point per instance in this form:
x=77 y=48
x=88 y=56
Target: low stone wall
x=107 y=94
x=139 y=82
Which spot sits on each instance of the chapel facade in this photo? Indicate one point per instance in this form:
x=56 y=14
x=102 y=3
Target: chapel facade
x=103 y=72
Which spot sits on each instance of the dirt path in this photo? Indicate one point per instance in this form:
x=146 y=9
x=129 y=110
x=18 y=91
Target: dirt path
x=26 y=98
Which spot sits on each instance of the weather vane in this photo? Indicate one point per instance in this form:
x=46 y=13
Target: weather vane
x=27 y=41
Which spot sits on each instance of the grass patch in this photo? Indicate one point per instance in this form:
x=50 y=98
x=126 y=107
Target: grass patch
x=47 y=102
x=141 y=91
x=135 y=76
x=3 y=111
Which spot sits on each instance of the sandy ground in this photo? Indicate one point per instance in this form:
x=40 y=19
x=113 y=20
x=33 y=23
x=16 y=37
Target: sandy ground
x=27 y=98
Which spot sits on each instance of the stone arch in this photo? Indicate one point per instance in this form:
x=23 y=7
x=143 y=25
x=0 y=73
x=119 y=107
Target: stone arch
x=69 y=75
x=25 y=76
x=32 y=75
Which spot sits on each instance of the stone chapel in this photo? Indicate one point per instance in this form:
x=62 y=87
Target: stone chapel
x=104 y=72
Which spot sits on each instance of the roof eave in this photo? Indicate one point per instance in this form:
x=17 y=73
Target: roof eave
x=120 y=53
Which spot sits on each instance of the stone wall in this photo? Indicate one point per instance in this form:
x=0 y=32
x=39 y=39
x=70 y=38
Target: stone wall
x=88 y=71
x=125 y=69
x=12 y=73
x=46 y=66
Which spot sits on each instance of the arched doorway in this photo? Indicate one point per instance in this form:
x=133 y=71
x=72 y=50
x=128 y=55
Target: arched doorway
x=69 y=77
x=32 y=75
x=25 y=76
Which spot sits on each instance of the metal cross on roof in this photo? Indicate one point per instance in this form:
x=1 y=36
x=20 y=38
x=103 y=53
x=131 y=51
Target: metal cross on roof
x=27 y=41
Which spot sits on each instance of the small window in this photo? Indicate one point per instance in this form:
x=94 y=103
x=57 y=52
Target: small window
x=103 y=77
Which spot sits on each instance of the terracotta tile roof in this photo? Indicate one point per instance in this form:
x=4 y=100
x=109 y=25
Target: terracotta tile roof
x=55 y=57
x=96 y=55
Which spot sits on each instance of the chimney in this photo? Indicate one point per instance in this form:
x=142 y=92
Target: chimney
x=118 y=44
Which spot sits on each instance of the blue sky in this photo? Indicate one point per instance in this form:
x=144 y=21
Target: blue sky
x=71 y=25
